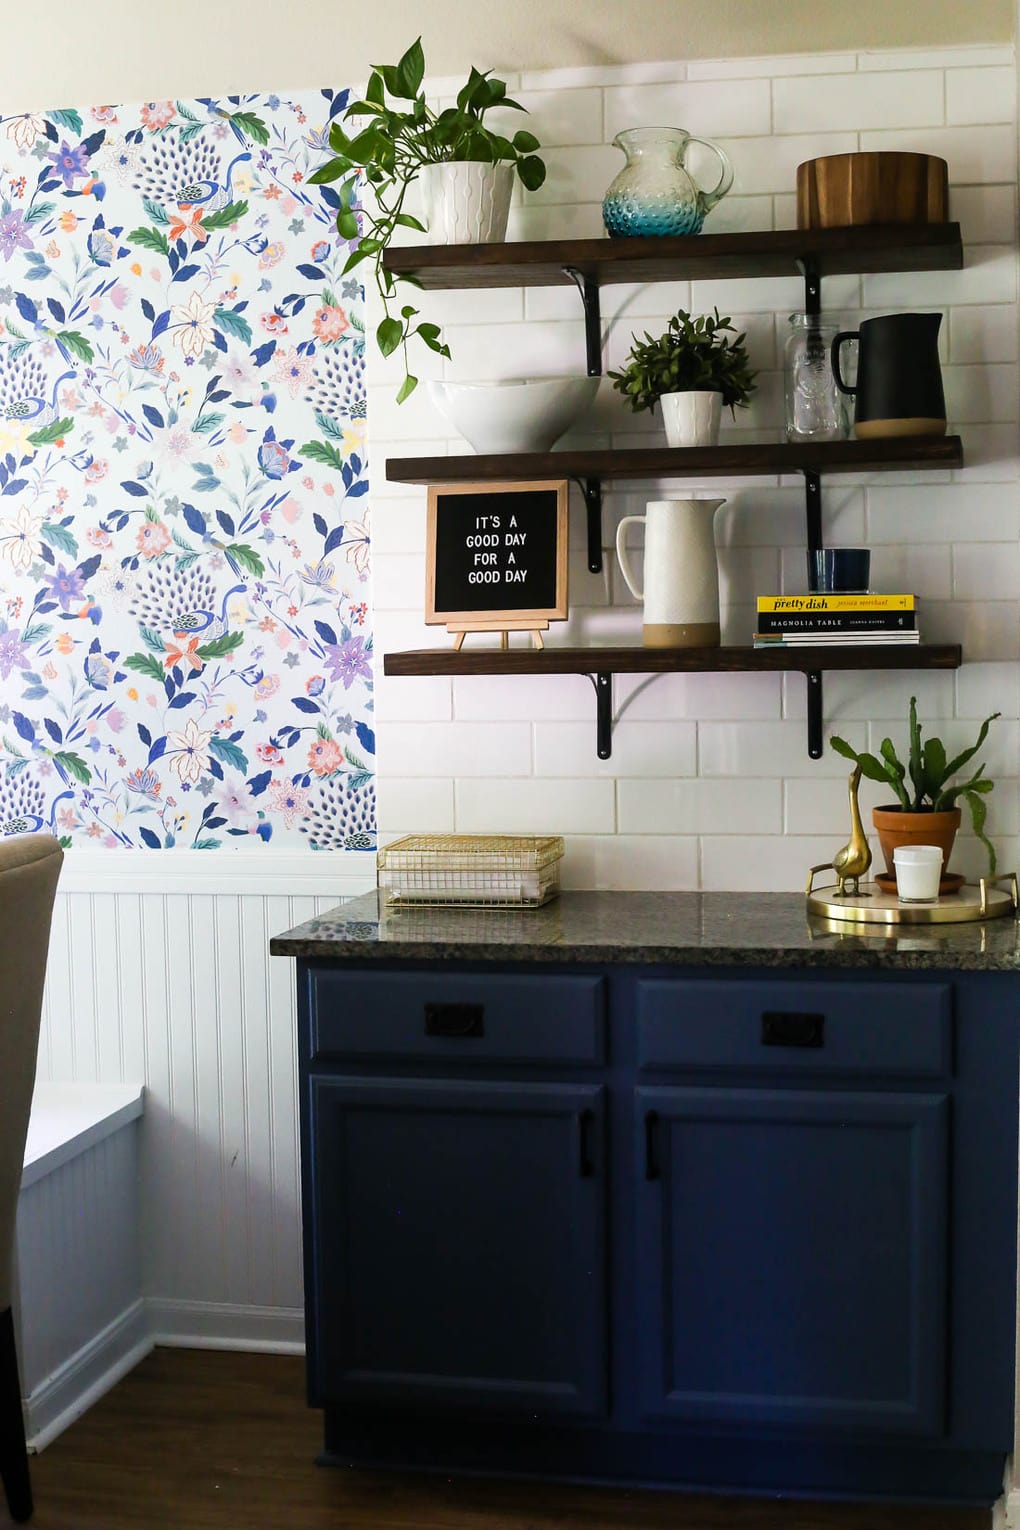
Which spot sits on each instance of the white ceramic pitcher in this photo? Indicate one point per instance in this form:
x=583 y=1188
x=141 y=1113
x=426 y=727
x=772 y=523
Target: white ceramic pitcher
x=681 y=591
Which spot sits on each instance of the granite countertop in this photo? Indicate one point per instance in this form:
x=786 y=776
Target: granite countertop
x=680 y=928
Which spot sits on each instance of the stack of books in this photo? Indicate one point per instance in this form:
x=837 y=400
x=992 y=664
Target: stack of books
x=797 y=621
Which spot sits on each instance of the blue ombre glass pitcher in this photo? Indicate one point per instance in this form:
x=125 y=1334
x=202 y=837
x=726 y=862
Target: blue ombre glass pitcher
x=654 y=193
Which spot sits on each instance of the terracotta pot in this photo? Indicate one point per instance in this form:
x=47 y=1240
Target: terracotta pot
x=896 y=826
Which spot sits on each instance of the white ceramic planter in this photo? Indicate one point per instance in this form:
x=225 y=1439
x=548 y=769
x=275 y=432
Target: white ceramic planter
x=466 y=202
x=691 y=419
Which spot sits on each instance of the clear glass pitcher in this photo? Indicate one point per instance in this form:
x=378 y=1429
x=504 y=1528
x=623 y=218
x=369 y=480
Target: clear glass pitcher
x=655 y=193
x=816 y=410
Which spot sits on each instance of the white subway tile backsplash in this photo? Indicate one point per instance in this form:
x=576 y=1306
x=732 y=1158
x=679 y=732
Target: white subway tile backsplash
x=660 y=748
x=705 y=109
x=774 y=66
x=986 y=214
x=935 y=58
x=858 y=101
x=699 y=807
x=411 y=805
x=981 y=95
x=907 y=513
x=986 y=571
x=710 y=783
x=985 y=688
x=973 y=154
x=982 y=334
x=761 y=863
x=988 y=276
x=578 y=806
x=766 y=748
x=454 y=748
x=631 y=863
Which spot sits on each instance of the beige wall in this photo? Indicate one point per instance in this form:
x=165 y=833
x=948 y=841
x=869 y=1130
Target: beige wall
x=115 y=50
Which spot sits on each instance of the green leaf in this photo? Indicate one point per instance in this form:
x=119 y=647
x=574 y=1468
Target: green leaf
x=531 y=172
x=35 y=632
x=218 y=647
x=246 y=557
x=152 y=639
x=150 y=239
x=155 y=212
x=39 y=212
x=233 y=324
x=406 y=388
x=229 y=753
x=145 y=664
x=320 y=451
x=59 y=537
x=223 y=217
x=332 y=170
x=347 y=228
x=253 y=126
x=329 y=427
x=76 y=344
x=67 y=119
x=207 y=422
x=389 y=335
x=48 y=434
x=74 y=765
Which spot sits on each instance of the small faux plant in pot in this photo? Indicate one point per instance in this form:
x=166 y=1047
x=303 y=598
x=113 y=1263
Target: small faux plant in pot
x=696 y=365
x=398 y=138
x=927 y=811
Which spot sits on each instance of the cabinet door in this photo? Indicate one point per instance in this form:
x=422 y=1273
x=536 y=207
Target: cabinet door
x=794 y=1249
x=459 y=1245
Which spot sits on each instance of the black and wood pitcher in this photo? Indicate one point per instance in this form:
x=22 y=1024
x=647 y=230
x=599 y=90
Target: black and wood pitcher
x=899 y=380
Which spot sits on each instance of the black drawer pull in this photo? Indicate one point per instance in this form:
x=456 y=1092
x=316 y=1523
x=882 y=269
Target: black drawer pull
x=585 y=1162
x=455 y=1020
x=788 y=1028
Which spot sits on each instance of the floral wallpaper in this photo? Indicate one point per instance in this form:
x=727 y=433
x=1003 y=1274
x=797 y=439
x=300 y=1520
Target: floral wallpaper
x=185 y=636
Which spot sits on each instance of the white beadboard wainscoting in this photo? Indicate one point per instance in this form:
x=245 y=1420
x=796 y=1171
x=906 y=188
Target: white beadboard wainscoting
x=159 y=971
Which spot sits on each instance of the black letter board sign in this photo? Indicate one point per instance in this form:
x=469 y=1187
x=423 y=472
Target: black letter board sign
x=496 y=556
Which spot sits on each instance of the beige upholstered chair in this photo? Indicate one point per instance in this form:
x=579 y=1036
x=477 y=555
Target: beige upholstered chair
x=29 y=868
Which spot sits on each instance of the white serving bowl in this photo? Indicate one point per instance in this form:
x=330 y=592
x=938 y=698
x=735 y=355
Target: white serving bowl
x=517 y=414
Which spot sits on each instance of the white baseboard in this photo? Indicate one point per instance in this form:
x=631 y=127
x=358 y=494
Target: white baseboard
x=83 y=1379
x=1011 y=1521
x=86 y=1376
x=219 y=1325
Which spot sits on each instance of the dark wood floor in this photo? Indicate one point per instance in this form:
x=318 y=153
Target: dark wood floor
x=204 y=1440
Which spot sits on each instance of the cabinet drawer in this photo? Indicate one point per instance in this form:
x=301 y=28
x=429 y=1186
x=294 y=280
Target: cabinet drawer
x=850 y=1028
x=432 y=1015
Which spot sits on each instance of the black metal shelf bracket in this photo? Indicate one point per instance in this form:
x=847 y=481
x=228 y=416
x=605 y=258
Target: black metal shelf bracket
x=591 y=488
x=588 y=287
x=813 y=508
x=814 y=713
x=812 y=284
x=603 y=684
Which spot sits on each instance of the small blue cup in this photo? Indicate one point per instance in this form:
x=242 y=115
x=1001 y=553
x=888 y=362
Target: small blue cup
x=838 y=569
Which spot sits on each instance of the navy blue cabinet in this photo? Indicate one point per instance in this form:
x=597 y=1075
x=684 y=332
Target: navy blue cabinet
x=723 y=1228
x=460 y=1256
x=795 y=1244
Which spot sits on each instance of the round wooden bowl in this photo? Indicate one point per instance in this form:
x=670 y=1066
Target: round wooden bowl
x=873 y=187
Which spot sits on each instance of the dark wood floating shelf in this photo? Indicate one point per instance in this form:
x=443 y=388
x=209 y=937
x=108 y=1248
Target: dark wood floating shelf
x=637 y=660
x=772 y=252
x=892 y=454
x=601 y=664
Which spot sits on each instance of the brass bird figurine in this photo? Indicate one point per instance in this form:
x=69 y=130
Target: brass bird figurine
x=851 y=863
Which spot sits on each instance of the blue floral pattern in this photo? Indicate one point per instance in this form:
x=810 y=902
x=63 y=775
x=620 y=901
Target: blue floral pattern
x=185 y=636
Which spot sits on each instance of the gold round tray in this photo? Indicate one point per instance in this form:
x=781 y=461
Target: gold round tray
x=873 y=906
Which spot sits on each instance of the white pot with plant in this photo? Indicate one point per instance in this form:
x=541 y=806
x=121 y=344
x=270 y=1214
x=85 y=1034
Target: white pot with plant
x=691 y=370
x=400 y=139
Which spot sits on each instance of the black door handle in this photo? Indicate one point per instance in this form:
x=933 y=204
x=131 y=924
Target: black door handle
x=652 y=1170
x=585 y=1164
x=455 y=1020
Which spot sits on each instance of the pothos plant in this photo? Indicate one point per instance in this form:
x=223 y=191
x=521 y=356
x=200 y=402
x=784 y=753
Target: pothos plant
x=693 y=352
x=390 y=152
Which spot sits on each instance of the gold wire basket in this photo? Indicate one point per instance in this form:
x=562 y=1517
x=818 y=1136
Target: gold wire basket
x=471 y=870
